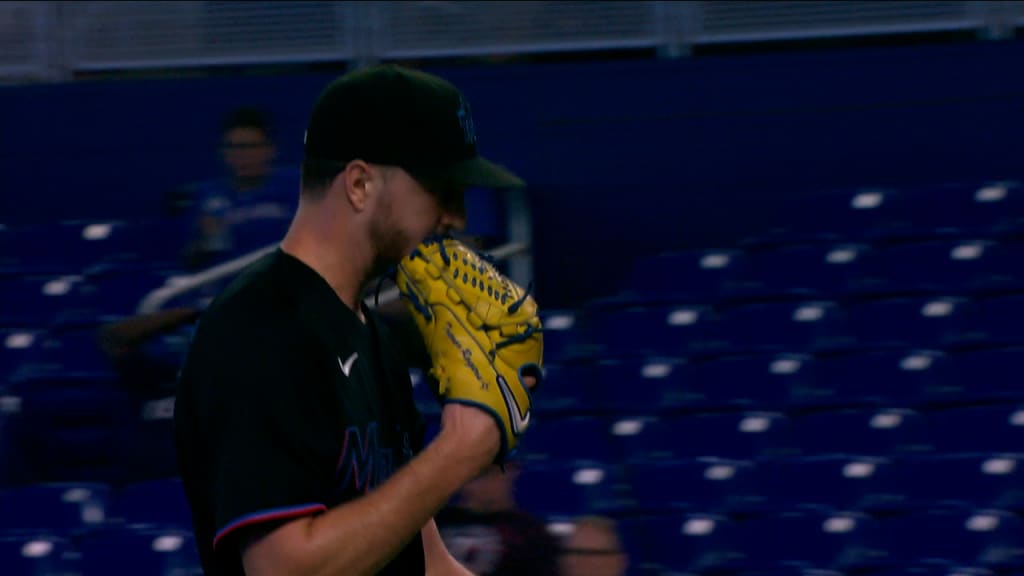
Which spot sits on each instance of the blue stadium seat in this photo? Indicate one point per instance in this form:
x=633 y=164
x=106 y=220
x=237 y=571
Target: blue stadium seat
x=877 y=378
x=983 y=538
x=71 y=427
x=911 y=322
x=702 y=277
x=982 y=375
x=855 y=215
x=641 y=331
x=684 y=543
x=571 y=439
x=839 y=540
x=566 y=389
x=78 y=246
x=35 y=301
x=560 y=332
x=862 y=432
x=150 y=442
x=17 y=347
x=746 y=435
x=834 y=482
x=957 y=210
x=423 y=394
x=999 y=320
x=984 y=429
x=802 y=271
x=975 y=480
x=794 y=327
x=959 y=267
x=36 y=554
x=569 y=490
x=112 y=295
x=712 y=485
x=640 y=386
x=755 y=381
x=157 y=503
x=133 y=550
x=65 y=509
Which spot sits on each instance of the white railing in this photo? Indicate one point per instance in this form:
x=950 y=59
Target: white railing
x=182 y=285
x=42 y=40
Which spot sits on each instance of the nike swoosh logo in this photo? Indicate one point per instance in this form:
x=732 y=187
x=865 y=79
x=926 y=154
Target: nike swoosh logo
x=346 y=366
x=519 y=421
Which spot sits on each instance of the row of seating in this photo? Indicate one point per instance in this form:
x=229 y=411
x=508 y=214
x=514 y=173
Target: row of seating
x=956 y=541
x=948 y=322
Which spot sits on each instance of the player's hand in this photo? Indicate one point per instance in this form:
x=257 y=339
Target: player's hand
x=473 y=431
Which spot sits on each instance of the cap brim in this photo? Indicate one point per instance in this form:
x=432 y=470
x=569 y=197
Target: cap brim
x=482 y=173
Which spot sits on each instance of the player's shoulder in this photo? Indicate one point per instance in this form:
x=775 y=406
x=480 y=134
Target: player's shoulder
x=264 y=295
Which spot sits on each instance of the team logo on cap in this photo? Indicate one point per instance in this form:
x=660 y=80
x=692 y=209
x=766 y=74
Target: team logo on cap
x=466 y=121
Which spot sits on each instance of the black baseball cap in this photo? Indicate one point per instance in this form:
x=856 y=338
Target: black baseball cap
x=393 y=115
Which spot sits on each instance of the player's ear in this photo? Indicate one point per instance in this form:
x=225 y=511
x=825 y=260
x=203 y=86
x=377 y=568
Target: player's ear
x=357 y=179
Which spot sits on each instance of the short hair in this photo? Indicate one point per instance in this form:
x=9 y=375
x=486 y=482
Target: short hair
x=248 y=117
x=317 y=176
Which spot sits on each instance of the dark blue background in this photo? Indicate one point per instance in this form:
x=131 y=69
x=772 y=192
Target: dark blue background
x=624 y=158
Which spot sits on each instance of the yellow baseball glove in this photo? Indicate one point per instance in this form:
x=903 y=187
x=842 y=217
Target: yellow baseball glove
x=481 y=329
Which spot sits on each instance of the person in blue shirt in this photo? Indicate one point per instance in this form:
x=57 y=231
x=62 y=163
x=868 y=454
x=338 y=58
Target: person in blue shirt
x=252 y=204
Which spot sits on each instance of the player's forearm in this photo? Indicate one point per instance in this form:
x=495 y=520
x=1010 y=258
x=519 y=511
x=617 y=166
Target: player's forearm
x=361 y=536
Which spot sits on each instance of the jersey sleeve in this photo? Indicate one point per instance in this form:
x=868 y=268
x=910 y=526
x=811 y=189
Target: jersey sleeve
x=270 y=436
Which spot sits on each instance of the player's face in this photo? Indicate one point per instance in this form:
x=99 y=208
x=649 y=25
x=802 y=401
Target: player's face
x=247 y=152
x=407 y=213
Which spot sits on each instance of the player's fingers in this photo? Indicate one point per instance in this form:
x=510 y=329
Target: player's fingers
x=530 y=381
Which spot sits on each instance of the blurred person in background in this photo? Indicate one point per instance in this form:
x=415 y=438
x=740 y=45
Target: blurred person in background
x=254 y=190
x=593 y=549
x=485 y=530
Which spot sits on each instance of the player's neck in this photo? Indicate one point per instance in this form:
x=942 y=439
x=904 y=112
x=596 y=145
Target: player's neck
x=335 y=252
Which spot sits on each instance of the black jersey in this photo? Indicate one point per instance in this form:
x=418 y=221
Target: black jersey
x=288 y=405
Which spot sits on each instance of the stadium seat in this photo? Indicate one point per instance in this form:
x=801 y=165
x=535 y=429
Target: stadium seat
x=745 y=435
x=983 y=538
x=702 y=277
x=36 y=554
x=793 y=327
x=755 y=381
x=871 y=432
x=65 y=509
x=829 y=483
x=981 y=375
x=959 y=267
x=17 y=347
x=70 y=427
x=77 y=246
x=848 y=215
x=876 y=378
x=802 y=271
x=999 y=320
x=712 y=485
x=571 y=439
x=567 y=490
x=566 y=389
x=921 y=322
x=154 y=503
x=839 y=540
x=978 y=429
x=35 y=301
x=980 y=481
x=560 y=331
x=139 y=550
x=608 y=331
x=423 y=395
x=654 y=385
x=684 y=543
x=957 y=210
